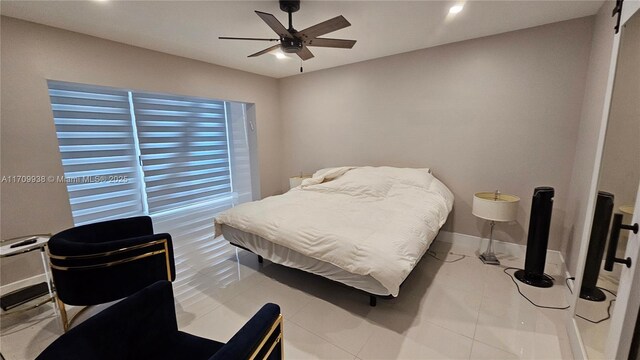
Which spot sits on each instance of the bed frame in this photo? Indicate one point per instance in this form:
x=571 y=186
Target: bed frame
x=373 y=299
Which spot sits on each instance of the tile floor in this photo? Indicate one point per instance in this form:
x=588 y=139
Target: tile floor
x=457 y=310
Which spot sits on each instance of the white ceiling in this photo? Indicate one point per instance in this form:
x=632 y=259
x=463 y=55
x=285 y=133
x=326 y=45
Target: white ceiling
x=382 y=28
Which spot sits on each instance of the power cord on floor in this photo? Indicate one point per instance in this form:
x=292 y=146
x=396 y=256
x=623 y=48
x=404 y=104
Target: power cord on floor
x=566 y=281
x=529 y=300
x=601 y=320
x=435 y=256
x=608 y=307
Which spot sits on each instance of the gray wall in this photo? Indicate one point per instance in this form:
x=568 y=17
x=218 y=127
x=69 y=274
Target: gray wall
x=590 y=121
x=500 y=112
x=31 y=54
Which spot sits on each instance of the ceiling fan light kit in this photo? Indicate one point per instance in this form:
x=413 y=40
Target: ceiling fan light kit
x=297 y=42
x=291 y=45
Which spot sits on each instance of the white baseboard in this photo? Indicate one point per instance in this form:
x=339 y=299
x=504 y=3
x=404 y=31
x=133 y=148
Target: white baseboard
x=7 y=288
x=464 y=242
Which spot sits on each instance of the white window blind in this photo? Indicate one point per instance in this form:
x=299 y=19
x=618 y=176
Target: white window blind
x=175 y=153
x=184 y=150
x=97 y=147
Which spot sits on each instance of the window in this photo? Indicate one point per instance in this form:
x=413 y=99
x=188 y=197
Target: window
x=184 y=149
x=128 y=153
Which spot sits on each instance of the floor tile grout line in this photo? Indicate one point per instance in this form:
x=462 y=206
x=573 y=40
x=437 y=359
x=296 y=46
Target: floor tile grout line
x=327 y=340
x=37 y=318
x=446 y=329
x=288 y=317
x=300 y=309
x=292 y=318
x=322 y=337
x=475 y=329
x=207 y=312
x=482 y=299
x=497 y=348
x=365 y=343
x=473 y=343
x=232 y=297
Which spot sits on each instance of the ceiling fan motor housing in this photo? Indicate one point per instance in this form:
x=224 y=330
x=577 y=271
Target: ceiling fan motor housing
x=291 y=45
x=290 y=6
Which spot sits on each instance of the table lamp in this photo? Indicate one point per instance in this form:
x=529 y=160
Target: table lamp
x=495 y=207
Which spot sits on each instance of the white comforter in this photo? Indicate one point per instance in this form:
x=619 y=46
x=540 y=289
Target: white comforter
x=375 y=221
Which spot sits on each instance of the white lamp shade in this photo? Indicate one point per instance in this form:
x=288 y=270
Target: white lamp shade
x=502 y=208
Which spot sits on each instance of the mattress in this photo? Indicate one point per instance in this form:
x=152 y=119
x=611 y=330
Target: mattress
x=358 y=223
x=287 y=257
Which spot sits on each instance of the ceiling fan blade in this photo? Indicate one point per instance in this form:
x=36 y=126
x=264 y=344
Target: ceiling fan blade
x=325 y=27
x=274 y=24
x=265 y=51
x=305 y=53
x=334 y=43
x=244 y=38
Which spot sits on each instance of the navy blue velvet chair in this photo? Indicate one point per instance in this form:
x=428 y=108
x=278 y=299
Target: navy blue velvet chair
x=106 y=261
x=144 y=326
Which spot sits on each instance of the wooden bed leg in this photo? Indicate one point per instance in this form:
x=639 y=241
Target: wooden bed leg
x=372 y=300
x=260 y=259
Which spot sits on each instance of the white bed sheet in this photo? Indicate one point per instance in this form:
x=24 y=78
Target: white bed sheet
x=287 y=257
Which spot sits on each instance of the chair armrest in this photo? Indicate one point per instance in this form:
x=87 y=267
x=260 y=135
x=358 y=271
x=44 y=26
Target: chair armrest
x=124 y=243
x=125 y=330
x=252 y=334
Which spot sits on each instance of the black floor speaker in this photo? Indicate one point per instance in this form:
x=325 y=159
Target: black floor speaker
x=539 y=224
x=597 y=242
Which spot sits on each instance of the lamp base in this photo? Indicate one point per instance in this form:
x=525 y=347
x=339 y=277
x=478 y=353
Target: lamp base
x=533 y=279
x=489 y=258
x=594 y=294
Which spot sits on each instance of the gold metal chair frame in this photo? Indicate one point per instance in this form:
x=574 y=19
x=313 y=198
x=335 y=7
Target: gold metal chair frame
x=278 y=340
x=66 y=322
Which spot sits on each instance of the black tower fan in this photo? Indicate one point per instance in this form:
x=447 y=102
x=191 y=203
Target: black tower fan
x=597 y=241
x=539 y=224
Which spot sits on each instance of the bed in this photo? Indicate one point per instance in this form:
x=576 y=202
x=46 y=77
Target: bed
x=366 y=227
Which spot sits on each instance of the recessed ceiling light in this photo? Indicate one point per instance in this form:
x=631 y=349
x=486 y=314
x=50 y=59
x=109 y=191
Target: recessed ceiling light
x=456 y=9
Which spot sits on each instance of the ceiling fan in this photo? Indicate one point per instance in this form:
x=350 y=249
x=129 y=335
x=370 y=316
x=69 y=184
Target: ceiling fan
x=294 y=41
